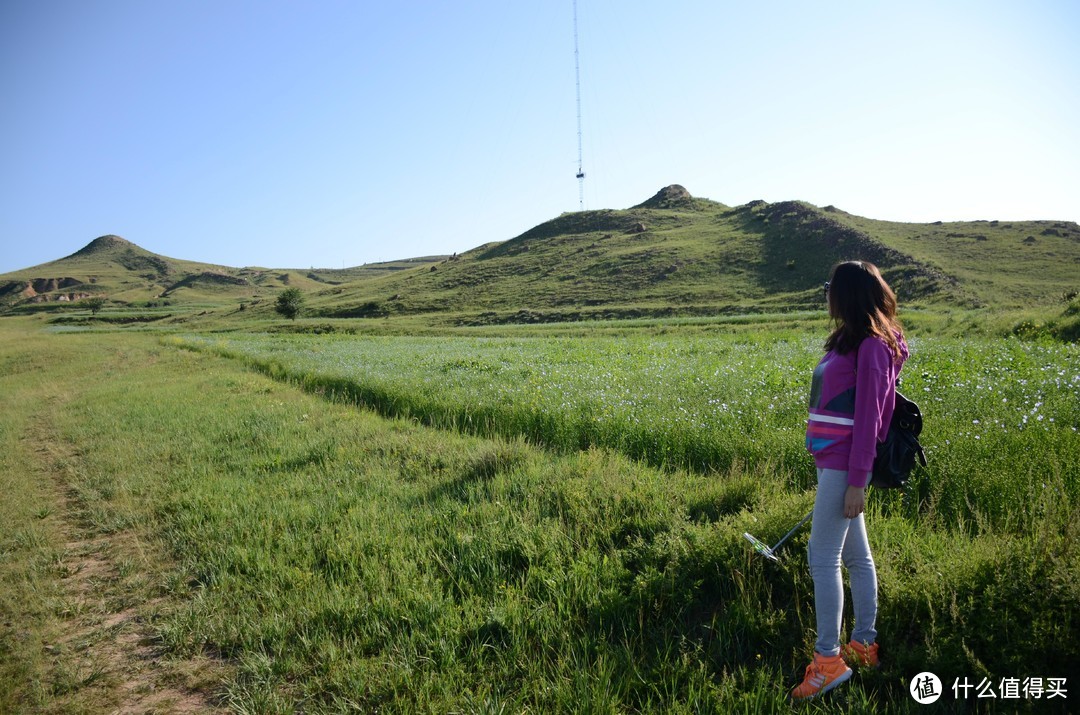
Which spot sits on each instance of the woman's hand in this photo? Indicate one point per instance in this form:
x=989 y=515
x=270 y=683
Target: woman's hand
x=854 y=501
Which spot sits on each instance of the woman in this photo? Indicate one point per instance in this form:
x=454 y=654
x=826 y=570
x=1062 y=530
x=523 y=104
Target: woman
x=851 y=403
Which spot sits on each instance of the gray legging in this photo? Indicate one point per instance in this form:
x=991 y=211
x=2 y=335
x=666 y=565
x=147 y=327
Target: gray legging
x=834 y=538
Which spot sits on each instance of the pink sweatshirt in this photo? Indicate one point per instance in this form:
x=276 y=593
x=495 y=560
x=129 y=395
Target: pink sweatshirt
x=852 y=397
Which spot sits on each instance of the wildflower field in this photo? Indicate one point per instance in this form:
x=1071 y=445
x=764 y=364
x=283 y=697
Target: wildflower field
x=708 y=404
x=508 y=525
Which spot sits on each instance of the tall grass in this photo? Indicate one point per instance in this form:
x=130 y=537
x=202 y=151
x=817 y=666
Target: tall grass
x=949 y=555
x=709 y=403
x=345 y=561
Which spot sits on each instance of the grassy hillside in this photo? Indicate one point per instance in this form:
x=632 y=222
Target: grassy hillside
x=992 y=263
x=676 y=255
x=142 y=286
x=673 y=255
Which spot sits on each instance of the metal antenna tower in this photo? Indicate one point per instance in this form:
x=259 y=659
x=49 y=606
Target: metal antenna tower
x=577 y=81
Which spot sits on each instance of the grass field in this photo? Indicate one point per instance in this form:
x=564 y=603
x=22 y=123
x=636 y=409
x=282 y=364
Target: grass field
x=507 y=524
x=702 y=403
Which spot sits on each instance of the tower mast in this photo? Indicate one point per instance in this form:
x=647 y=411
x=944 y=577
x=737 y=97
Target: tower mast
x=577 y=82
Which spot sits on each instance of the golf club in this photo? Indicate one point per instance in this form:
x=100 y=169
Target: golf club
x=769 y=552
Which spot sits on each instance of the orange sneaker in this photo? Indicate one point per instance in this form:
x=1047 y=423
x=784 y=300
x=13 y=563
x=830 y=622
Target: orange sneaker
x=823 y=674
x=861 y=654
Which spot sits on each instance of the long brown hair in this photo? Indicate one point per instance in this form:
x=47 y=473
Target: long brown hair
x=862 y=305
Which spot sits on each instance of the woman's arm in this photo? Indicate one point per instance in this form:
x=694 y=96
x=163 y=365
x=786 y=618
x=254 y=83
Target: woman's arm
x=873 y=388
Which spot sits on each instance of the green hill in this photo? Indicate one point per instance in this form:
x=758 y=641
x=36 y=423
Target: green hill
x=131 y=277
x=121 y=271
x=676 y=255
x=671 y=255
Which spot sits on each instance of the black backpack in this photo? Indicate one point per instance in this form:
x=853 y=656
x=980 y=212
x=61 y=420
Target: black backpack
x=897 y=454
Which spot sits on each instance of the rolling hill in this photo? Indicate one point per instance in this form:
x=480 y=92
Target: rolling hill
x=680 y=255
x=130 y=276
x=671 y=255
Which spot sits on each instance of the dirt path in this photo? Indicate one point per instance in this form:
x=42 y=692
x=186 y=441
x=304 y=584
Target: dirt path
x=109 y=636
x=105 y=654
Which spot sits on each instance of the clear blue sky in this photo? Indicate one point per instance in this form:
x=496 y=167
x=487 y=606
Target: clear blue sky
x=320 y=134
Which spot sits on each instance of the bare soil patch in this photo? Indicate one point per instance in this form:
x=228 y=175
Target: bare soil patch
x=105 y=654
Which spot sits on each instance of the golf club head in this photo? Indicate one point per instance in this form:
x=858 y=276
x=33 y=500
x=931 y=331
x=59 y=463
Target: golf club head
x=761 y=547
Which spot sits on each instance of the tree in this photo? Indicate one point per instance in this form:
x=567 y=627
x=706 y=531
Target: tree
x=289 y=303
x=94 y=303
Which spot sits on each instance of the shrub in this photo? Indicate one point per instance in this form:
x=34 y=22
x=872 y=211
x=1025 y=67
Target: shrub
x=290 y=303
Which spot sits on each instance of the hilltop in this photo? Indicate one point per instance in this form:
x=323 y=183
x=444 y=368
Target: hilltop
x=671 y=255
x=128 y=275
x=677 y=255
